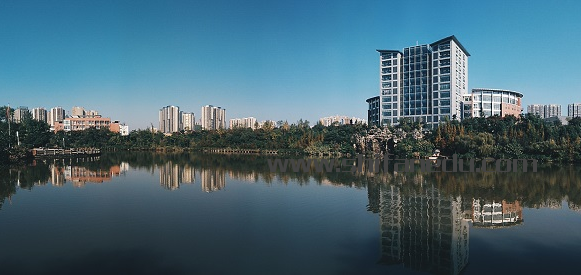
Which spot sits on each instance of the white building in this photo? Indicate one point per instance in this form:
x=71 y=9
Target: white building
x=574 y=110
x=213 y=118
x=56 y=114
x=124 y=129
x=40 y=114
x=246 y=122
x=170 y=119
x=340 y=120
x=424 y=83
x=188 y=121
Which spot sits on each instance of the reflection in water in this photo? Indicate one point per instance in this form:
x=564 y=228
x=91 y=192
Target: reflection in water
x=496 y=214
x=81 y=175
x=424 y=219
x=424 y=230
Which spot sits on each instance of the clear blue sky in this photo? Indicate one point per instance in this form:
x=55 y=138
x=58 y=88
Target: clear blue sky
x=269 y=59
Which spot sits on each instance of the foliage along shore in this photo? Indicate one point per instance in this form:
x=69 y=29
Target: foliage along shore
x=510 y=137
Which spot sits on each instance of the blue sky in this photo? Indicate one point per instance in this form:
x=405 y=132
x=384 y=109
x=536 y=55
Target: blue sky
x=269 y=59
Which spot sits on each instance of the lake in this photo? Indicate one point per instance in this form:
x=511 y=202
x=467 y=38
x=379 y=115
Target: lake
x=152 y=213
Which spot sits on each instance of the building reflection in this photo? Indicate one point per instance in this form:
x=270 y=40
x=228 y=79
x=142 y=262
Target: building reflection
x=212 y=179
x=496 y=214
x=423 y=230
x=80 y=175
x=171 y=175
x=427 y=230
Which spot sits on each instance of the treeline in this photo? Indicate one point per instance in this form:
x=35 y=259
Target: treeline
x=510 y=137
x=527 y=136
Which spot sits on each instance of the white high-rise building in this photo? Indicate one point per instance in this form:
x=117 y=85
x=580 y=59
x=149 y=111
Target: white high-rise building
x=544 y=110
x=40 y=114
x=574 y=110
x=56 y=114
x=170 y=119
x=188 y=121
x=20 y=114
x=552 y=110
x=213 y=118
x=536 y=109
x=423 y=83
x=247 y=122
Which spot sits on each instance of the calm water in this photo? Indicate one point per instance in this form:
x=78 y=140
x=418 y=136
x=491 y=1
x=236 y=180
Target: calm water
x=142 y=213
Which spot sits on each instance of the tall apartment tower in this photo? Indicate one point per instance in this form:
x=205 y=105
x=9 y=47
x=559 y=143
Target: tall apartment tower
x=424 y=83
x=56 y=114
x=536 y=109
x=170 y=119
x=20 y=114
x=188 y=121
x=574 y=110
x=552 y=110
x=39 y=114
x=213 y=118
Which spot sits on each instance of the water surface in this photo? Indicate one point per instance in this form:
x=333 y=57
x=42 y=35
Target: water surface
x=144 y=213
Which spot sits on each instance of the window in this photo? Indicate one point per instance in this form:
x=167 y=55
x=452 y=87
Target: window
x=435 y=102
x=496 y=99
x=445 y=94
x=444 y=86
x=445 y=70
x=445 y=78
x=444 y=62
x=386 y=99
x=435 y=94
x=445 y=110
x=496 y=106
x=444 y=46
x=435 y=87
x=435 y=79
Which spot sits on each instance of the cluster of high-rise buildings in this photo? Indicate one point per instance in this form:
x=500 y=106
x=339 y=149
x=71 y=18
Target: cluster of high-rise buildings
x=341 y=120
x=78 y=119
x=554 y=110
x=429 y=84
x=172 y=120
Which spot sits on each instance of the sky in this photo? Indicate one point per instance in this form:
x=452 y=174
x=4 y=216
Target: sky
x=277 y=60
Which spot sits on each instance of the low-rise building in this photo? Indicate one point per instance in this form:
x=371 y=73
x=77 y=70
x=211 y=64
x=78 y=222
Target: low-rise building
x=490 y=102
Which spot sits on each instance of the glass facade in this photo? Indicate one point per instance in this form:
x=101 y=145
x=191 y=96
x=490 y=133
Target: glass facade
x=423 y=83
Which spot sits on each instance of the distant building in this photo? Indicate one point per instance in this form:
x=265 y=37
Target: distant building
x=124 y=129
x=562 y=119
x=57 y=114
x=188 y=121
x=490 y=102
x=261 y=124
x=40 y=114
x=213 y=118
x=340 y=120
x=536 y=109
x=544 y=111
x=20 y=114
x=84 y=123
x=574 y=110
x=246 y=122
x=78 y=112
x=552 y=110
x=170 y=119
x=373 y=117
